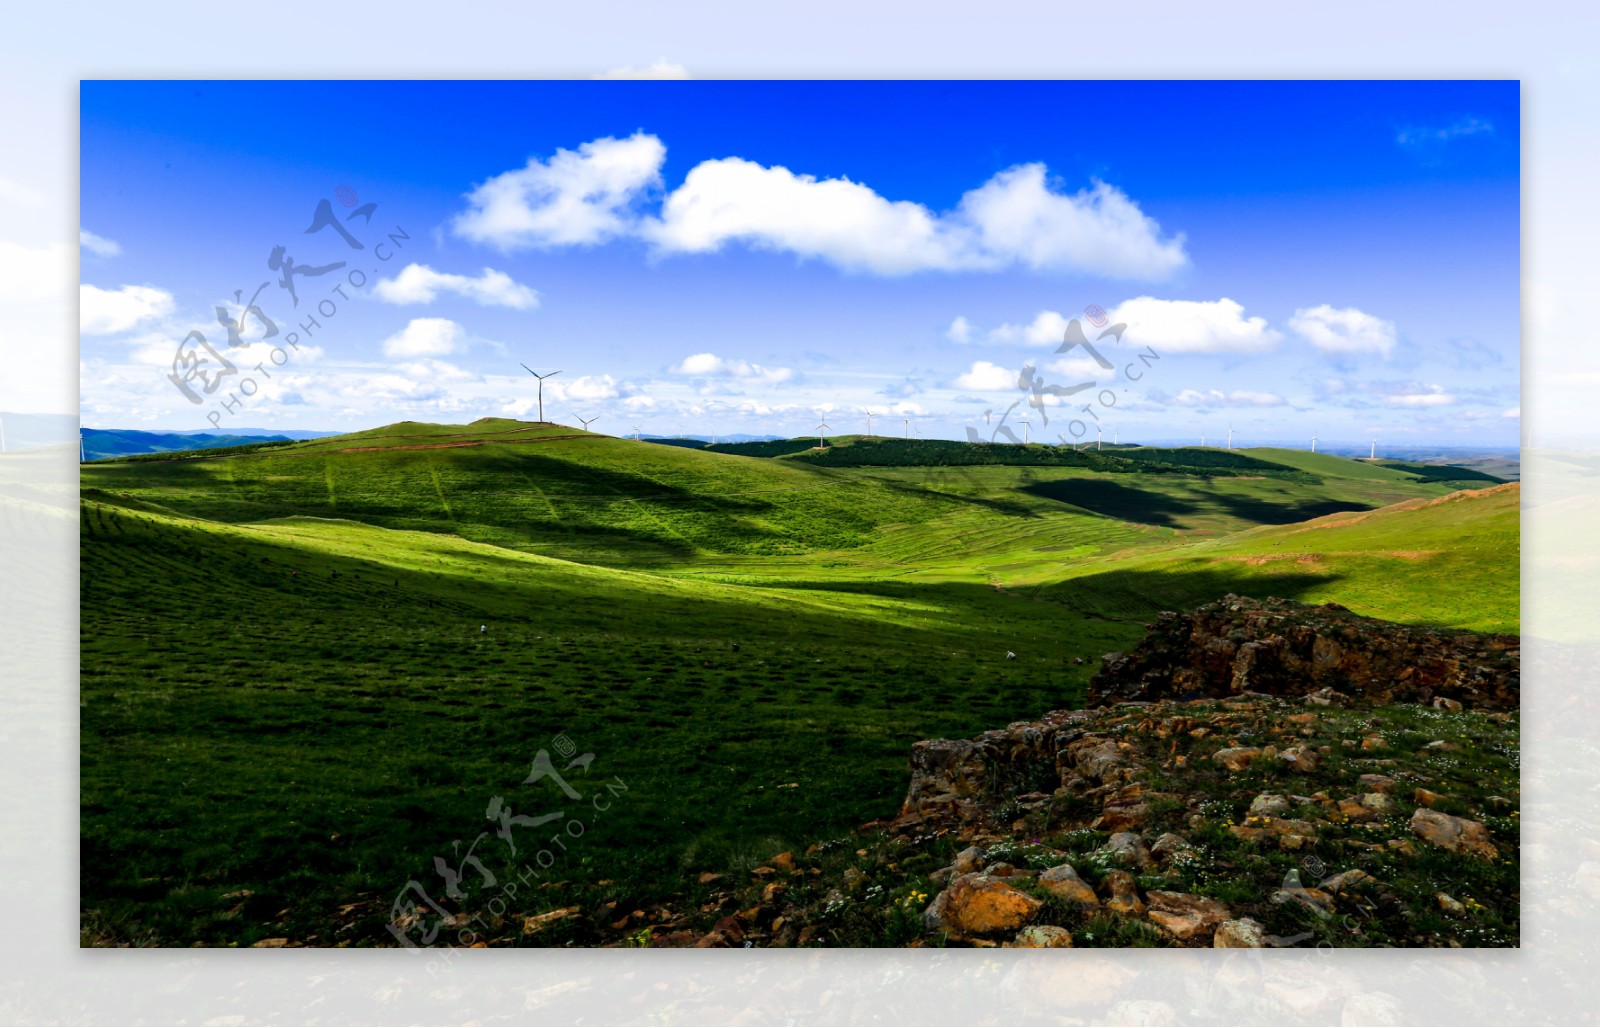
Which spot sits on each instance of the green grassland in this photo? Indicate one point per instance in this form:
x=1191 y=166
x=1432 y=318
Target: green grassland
x=306 y=670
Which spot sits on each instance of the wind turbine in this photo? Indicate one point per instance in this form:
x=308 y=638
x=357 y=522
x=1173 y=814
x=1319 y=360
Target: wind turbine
x=1024 y=431
x=587 y=421
x=908 y=427
x=1374 y=454
x=82 y=459
x=821 y=429
x=1097 y=440
x=1113 y=437
x=541 y=379
x=1313 y=444
x=636 y=436
x=1230 y=435
x=870 y=415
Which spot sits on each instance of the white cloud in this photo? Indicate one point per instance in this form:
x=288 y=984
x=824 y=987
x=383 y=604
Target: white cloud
x=661 y=69
x=1421 y=396
x=960 y=331
x=1019 y=218
x=1511 y=412
x=98 y=245
x=589 y=387
x=1218 y=398
x=709 y=365
x=985 y=377
x=577 y=197
x=1194 y=326
x=426 y=337
x=1344 y=330
x=1014 y=219
x=104 y=311
x=418 y=283
x=1460 y=127
x=1048 y=328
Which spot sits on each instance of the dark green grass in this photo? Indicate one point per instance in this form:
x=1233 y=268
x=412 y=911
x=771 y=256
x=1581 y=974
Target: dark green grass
x=314 y=722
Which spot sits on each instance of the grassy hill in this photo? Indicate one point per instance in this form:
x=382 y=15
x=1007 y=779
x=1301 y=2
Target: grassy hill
x=308 y=669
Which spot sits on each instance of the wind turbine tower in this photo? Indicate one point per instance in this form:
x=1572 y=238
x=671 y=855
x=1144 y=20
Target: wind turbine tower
x=820 y=430
x=587 y=421
x=541 y=379
x=908 y=427
x=1230 y=435
x=1313 y=444
x=1024 y=431
x=870 y=415
x=1374 y=454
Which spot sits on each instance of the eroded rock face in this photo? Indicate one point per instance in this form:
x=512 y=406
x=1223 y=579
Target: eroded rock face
x=1244 y=933
x=1285 y=648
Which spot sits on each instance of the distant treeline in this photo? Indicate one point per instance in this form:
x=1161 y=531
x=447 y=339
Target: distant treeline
x=895 y=453
x=1443 y=472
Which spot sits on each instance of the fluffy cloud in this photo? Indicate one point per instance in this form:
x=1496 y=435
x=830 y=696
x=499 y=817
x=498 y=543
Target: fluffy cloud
x=577 y=197
x=1511 y=412
x=418 y=283
x=1194 y=326
x=426 y=337
x=98 y=245
x=1344 y=330
x=1218 y=398
x=1018 y=218
x=105 y=311
x=709 y=365
x=960 y=331
x=1014 y=219
x=985 y=377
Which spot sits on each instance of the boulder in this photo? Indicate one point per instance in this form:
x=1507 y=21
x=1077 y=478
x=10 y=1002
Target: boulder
x=1124 y=894
x=977 y=905
x=1129 y=849
x=1235 y=758
x=1042 y=936
x=1063 y=882
x=1456 y=834
x=1184 y=915
x=1243 y=933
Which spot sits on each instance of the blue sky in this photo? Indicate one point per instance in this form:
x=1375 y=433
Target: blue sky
x=1338 y=259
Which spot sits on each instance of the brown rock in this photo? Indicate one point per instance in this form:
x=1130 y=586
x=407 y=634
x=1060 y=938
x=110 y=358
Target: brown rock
x=1427 y=797
x=1063 y=882
x=1124 y=894
x=1170 y=845
x=1235 y=758
x=1374 y=742
x=1456 y=834
x=977 y=904
x=1185 y=915
x=1448 y=903
x=1128 y=848
x=1303 y=759
x=969 y=860
x=1042 y=936
x=784 y=862
x=1377 y=783
x=1244 y=933
x=1345 y=880
x=1313 y=899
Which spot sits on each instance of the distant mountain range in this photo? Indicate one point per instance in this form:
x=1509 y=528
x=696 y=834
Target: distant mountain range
x=99 y=443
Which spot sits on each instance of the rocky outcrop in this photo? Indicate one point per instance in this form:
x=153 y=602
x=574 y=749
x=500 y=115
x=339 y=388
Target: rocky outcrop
x=1284 y=648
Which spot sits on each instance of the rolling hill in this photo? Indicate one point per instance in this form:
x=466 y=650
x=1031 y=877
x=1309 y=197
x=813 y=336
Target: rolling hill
x=307 y=669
